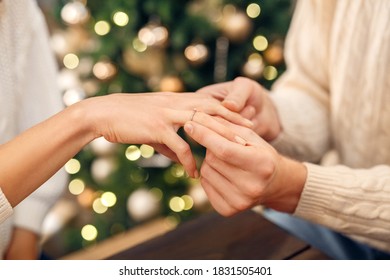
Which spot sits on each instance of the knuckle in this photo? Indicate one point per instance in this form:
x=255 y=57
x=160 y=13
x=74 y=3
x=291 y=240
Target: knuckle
x=224 y=153
x=242 y=205
x=254 y=191
x=228 y=212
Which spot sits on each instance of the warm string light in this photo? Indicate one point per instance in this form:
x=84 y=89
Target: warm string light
x=89 y=232
x=253 y=10
x=102 y=27
x=72 y=166
x=74 y=13
x=120 y=18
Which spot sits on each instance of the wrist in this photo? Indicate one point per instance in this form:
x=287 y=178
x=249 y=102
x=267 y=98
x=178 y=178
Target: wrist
x=86 y=116
x=287 y=186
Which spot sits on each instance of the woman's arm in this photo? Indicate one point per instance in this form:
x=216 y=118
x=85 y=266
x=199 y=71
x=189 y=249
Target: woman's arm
x=35 y=155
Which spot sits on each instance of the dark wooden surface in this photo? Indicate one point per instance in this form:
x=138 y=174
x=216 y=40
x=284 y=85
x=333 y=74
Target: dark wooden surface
x=245 y=236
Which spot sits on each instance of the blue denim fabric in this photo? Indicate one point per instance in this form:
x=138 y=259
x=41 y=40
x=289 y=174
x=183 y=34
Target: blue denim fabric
x=331 y=243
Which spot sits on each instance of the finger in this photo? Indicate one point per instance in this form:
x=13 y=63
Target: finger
x=249 y=112
x=219 y=145
x=246 y=134
x=217 y=124
x=180 y=117
x=182 y=151
x=232 y=116
x=240 y=91
x=224 y=187
x=218 y=91
x=164 y=150
x=216 y=201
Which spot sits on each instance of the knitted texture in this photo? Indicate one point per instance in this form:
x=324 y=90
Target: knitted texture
x=336 y=95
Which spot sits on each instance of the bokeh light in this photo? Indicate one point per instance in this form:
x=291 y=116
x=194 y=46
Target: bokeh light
x=253 y=10
x=71 y=61
x=260 y=43
x=108 y=199
x=72 y=166
x=177 y=204
x=188 y=202
x=133 y=153
x=120 y=18
x=270 y=73
x=89 y=232
x=76 y=186
x=146 y=151
x=102 y=27
x=98 y=206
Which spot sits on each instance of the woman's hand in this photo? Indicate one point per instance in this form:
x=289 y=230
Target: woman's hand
x=241 y=170
x=251 y=100
x=154 y=118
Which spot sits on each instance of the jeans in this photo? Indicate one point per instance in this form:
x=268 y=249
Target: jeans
x=331 y=243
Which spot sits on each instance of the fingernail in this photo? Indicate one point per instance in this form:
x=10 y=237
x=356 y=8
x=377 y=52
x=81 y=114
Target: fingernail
x=240 y=140
x=188 y=128
x=248 y=123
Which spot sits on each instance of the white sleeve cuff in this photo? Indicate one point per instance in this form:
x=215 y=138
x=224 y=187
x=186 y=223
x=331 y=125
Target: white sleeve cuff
x=5 y=208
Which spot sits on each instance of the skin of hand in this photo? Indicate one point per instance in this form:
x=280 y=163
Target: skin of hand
x=241 y=170
x=121 y=118
x=249 y=98
x=23 y=246
x=203 y=102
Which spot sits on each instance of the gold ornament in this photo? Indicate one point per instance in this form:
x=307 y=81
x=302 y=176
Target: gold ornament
x=147 y=63
x=74 y=13
x=143 y=204
x=153 y=35
x=274 y=53
x=104 y=70
x=254 y=66
x=196 y=53
x=235 y=24
x=171 y=84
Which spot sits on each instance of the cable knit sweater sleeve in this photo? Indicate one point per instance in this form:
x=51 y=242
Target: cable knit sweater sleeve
x=331 y=95
x=302 y=91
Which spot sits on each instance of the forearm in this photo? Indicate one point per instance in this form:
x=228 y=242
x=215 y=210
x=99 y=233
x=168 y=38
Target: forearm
x=34 y=156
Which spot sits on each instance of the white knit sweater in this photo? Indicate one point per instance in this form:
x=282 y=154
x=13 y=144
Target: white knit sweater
x=336 y=95
x=28 y=94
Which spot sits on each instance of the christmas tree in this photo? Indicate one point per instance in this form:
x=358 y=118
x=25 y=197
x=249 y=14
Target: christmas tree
x=142 y=46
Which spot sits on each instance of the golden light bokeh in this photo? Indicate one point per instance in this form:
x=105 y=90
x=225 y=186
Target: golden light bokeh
x=71 y=61
x=260 y=43
x=177 y=204
x=102 y=27
x=139 y=46
x=104 y=70
x=76 y=186
x=253 y=10
x=133 y=153
x=72 y=166
x=108 y=199
x=146 y=151
x=270 y=73
x=89 y=232
x=98 y=206
x=120 y=18
x=188 y=202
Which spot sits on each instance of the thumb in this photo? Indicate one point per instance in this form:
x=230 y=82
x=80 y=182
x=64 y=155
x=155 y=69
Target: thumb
x=238 y=95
